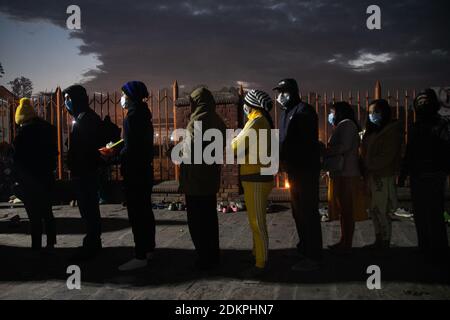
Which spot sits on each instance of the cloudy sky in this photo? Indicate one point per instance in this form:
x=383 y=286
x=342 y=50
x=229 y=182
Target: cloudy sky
x=324 y=44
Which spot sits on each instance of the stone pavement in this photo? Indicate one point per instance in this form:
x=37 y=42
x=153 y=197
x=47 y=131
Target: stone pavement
x=404 y=273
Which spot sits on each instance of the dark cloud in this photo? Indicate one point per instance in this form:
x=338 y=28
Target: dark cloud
x=324 y=44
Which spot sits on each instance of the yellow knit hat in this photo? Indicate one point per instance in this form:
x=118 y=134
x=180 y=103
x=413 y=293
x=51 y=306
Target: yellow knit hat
x=25 y=111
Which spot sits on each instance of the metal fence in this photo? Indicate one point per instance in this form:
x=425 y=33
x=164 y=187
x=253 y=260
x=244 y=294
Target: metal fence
x=162 y=105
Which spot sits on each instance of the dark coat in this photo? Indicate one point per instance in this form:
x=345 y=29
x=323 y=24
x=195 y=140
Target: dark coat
x=202 y=179
x=299 y=139
x=136 y=156
x=86 y=138
x=428 y=148
x=36 y=151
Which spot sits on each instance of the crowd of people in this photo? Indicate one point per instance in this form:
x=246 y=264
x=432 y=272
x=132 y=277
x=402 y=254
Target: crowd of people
x=364 y=168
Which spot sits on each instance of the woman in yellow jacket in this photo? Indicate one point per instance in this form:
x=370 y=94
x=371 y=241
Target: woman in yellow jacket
x=257 y=187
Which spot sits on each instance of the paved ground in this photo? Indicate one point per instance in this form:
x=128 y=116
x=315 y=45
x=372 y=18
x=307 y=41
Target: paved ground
x=404 y=274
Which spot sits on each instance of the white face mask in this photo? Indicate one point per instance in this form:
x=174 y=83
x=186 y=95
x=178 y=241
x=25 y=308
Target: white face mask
x=247 y=110
x=124 y=102
x=283 y=99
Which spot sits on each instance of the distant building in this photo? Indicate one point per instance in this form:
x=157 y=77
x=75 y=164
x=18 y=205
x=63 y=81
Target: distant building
x=6 y=97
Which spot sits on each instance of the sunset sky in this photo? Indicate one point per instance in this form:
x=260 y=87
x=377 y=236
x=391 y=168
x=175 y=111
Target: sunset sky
x=324 y=44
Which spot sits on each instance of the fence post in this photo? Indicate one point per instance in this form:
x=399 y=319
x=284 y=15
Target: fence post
x=377 y=93
x=59 y=129
x=174 y=102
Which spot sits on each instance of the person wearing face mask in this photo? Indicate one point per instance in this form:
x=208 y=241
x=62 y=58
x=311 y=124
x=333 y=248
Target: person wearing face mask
x=257 y=187
x=34 y=163
x=136 y=158
x=300 y=158
x=381 y=153
x=427 y=163
x=84 y=161
x=341 y=160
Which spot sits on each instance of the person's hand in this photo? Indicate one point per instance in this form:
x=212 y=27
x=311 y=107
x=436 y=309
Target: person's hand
x=107 y=153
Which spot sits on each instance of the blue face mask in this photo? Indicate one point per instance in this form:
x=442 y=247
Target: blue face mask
x=375 y=118
x=69 y=105
x=331 y=117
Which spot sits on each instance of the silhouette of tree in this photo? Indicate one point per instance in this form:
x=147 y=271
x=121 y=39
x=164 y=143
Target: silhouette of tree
x=21 y=87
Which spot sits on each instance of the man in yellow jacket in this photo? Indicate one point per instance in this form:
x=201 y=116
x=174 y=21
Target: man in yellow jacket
x=257 y=186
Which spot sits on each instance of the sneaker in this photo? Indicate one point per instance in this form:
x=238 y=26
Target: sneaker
x=403 y=213
x=181 y=206
x=226 y=209
x=234 y=208
x=172 y=206
x=220 y=207
x=133 y=264
x=306 y=265
x=17 y=201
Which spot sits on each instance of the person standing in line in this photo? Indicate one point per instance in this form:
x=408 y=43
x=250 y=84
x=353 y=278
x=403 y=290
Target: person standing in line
x=200 y=182
x=427 y=163
x=381 y=152
x=136 y=158
x=257 y=186
x=341 y=160
x=34 y=163
x=84 y=161
x=300 y=158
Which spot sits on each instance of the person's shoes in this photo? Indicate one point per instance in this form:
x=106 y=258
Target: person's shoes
x=339 y=249
x=85 y=254
x=133 y=264
x=306 y=265
x=253 y=273
x=172 y=206
x=180 y=206
x=206 y=266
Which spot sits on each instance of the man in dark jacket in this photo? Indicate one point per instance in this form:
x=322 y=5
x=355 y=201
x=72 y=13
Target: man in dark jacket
x=300 y=157
x=427 y=162
x=136 y=159
x=35 y=154
x=200 y=183
x=84 y=162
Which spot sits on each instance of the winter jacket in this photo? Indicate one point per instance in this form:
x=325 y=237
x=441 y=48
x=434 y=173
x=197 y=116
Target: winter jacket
x=136 y=156
x=252 y=172
x=299 y=139
x=86 y=137
x=381 y=151
x=428 y=148
x=36 y=151
x=344 y=144
x=201 y=179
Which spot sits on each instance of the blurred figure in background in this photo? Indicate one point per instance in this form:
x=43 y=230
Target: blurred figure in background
x=35 y=159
